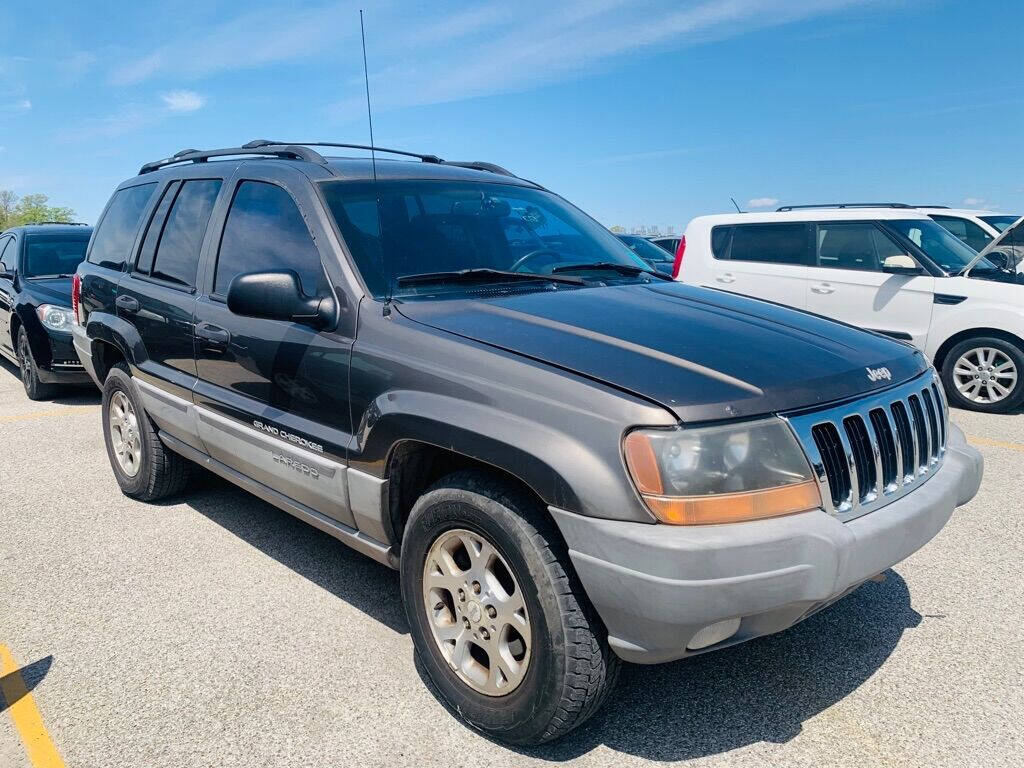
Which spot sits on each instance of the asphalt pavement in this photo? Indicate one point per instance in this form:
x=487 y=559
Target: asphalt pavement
x=216 y=630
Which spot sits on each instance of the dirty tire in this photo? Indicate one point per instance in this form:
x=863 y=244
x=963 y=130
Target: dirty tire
x=34 y=388
x=161 y=472
x=571 y=669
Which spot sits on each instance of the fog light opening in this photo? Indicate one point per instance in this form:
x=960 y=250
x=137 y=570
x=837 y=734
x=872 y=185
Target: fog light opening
x=713 y=633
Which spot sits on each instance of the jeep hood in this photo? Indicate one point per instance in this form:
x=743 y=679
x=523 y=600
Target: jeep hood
x=700 y=353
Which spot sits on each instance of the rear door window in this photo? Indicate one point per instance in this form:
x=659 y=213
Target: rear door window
x=177 y=253
x=265 y=231
x=115 y=236
x=770 y=243
x=966 y=230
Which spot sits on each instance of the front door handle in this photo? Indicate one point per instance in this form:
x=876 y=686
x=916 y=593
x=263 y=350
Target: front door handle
x=127 y=304
x=726 y=277
x=214 y=335
x=823 y=288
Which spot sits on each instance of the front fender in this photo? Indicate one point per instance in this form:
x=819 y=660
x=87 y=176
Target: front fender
x=581 y=471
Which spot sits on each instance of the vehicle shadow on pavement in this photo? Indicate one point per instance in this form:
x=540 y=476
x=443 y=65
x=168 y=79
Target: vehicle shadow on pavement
x=78 y=394
x=22 y=681
x=758 y=691
x=325 y=561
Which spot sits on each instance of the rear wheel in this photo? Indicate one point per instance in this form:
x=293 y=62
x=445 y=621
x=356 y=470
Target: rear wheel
x=984 y=374
x=145 y=469
x=501 y=624
x=34 y=388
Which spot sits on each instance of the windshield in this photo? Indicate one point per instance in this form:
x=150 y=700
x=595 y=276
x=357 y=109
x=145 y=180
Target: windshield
x=54 y=255
x=432 y=226
x=645 y=249
x=945 y=249
x=999 y=222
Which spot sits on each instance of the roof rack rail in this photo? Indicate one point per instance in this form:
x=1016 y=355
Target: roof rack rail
x=478 y=165
x=842 y=205
x=266 y=149
x=60 y=223
x=930 y=206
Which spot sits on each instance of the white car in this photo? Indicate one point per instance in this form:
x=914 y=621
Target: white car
x=976 y=228
x=890 y=270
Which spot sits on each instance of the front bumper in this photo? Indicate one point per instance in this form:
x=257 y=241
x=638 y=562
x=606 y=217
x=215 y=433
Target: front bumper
x=656 y=586
x=62 y=365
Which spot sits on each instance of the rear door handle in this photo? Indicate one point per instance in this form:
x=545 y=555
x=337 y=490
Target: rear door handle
x=726 y=277
x=214 y=335
x=127 y=304
x=822 y=288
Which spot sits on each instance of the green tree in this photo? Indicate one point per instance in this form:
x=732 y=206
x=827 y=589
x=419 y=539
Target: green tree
x=15 y=212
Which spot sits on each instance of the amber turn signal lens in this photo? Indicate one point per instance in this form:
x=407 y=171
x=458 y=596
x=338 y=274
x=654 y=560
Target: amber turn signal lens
x=642 y=463
x=735 y=507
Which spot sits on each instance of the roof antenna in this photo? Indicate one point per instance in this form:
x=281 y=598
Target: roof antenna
x=385 y=262
x=734 y=203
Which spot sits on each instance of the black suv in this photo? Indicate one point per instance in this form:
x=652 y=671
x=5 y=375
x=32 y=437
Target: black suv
x=36 y=265
x=571 y=459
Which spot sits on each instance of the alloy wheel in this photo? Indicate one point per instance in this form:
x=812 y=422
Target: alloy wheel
x=477 y=612
x=985 y=375
x=124 y=434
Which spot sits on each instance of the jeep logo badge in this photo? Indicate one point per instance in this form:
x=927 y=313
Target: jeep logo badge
x=876 y=374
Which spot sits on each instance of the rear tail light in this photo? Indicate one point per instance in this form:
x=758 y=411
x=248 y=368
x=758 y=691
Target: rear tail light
x=76 y=300
x=678 y=265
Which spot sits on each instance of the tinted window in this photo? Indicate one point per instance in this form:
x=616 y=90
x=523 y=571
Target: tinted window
x=116 y=233
x=774 y=243
x=445 y=226
x=7 y=254
x=966 y=230
x=265 y=231
x=177 y=255
x=155 y=229
x=1000 y=223
x=54 y=255
x=720 y=242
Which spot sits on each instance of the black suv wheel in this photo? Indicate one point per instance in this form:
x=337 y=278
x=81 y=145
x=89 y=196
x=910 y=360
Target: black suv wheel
x=144 y=468
x=502 y=627
x=986 y=374
x=34 y=388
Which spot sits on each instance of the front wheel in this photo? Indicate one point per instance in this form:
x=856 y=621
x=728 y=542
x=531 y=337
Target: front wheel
x=496 y=613
x=984 y=374
x=34 y=388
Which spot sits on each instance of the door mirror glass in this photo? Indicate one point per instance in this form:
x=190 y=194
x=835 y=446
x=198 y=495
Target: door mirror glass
x=278 y=296
x=901 y=264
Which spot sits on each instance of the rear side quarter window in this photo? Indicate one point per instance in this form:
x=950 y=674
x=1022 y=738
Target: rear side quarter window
x=114 y=237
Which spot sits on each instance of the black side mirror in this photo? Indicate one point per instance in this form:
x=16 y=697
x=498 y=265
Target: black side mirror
x=279 y=296
x=998 y=260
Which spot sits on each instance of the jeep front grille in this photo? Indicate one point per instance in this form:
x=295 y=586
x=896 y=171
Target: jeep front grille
x=870 y=452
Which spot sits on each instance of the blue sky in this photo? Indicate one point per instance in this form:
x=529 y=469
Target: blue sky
x=640 y=112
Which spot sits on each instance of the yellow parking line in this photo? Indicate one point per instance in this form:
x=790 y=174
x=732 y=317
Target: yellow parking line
x=47 y=414
x=974 y=440
x=40 y=749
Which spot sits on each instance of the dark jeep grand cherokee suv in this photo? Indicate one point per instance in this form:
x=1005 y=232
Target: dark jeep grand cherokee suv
x=570 y=459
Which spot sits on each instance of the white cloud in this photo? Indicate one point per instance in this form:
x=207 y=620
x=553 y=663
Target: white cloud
x=974 y=202
x=21 y=105
x=183 y=101
x=762 y=202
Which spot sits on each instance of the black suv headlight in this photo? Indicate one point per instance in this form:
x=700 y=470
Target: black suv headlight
x=721 y=474
x=55 y=318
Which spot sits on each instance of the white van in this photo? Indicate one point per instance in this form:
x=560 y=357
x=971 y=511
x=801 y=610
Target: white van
x=892 y=270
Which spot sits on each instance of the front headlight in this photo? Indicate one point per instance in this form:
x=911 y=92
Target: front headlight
x=55 y=318
x=721 y=474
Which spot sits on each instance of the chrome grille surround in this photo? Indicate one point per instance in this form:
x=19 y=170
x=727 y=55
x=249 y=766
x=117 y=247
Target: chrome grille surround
x=870 y=452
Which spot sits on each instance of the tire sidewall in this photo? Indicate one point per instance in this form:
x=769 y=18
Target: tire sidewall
x=119 y=380
x=959 y=401
x=27 y=366
x=524 y=713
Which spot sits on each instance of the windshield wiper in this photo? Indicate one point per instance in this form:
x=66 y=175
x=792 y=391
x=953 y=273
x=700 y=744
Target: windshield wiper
x=611 y=266
x=483 y=275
